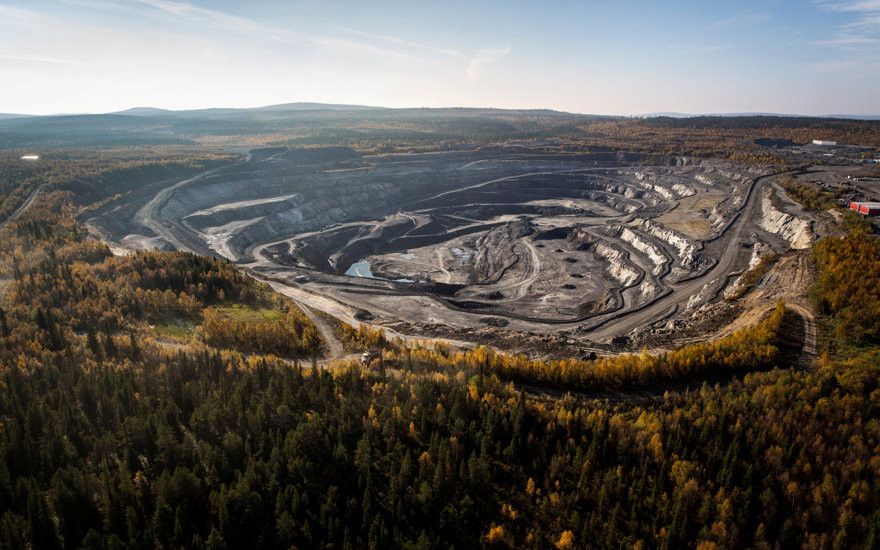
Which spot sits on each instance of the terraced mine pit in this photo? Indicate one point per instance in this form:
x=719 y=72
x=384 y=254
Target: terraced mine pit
x=593 y=244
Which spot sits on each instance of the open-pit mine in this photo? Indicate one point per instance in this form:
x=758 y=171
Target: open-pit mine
x=591 y=246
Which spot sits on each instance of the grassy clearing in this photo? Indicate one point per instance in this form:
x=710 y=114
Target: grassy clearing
x=183 y=328
x=260 y=330
x=243 y=313
x=179 y=329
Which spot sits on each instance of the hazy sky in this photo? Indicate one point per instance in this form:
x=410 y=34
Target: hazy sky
x=624 y=57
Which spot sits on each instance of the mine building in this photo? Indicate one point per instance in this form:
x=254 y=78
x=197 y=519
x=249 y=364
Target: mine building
x=865 y=208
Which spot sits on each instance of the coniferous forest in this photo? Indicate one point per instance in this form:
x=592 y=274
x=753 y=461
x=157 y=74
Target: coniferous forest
x=166 y=400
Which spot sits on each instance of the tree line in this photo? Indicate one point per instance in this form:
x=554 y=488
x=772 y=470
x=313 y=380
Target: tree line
x=748 y=349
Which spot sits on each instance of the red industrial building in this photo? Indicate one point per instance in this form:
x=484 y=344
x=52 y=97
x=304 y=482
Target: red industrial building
x=866 y=208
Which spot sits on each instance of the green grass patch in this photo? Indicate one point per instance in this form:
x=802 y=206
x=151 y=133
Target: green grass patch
x=179 y=329
x=240 y=312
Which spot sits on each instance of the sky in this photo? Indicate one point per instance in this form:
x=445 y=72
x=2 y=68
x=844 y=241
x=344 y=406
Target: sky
x=604 y=57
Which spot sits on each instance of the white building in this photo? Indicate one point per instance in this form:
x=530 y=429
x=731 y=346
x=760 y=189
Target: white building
x=823 y=142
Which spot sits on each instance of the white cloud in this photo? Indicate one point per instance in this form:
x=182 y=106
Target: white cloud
x=856 y=42
x=858 y=5
x=867 y=15
x=484 y=57
x=190 y=14
x=477 y=60
x=352 y=42
x=26 y=58
x=8 y=14
x=406 y=43
x=850 y=40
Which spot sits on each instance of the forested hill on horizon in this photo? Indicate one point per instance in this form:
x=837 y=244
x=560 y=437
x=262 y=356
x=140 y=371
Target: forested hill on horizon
x=320 y=106
x=373 y=128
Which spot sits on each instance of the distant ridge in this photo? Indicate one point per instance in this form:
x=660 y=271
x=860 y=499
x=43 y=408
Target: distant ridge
x=309 y=106
x=143 y=111
x=734 y=115
x=855 y=117
x=335 y=124
x=6 y=116
x=284 y=109
x=731 y=115
x=304 y=106
x=279 y=108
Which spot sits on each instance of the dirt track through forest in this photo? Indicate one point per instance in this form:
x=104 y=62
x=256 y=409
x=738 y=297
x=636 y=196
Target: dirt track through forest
x=23 y=207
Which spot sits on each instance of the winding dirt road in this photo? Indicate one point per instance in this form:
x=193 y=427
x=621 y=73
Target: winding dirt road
x=335 y=350
x=23 y=208
x=4 y=282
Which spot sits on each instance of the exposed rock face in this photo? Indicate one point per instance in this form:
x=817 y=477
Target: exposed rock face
x=686 y=249
x=798 y=232
x=683 y=190
x=759 y=250
x=699 y=298
x=704 y=179
x=620 y=267
x=669 y=190
x=653 y=252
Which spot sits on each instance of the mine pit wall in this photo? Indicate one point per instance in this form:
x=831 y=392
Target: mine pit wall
x=653 y=252
x=380 y=193
x=321 y=198
x=318 y=210
x=118 y=224
x=538 y=187
x=226 y=216
x=408 y=242
x=741 y=176
x=320 y=203
x=487 y=212
x=682 y=190
x=347 y=247
x=315 y=249
x=620 y=268
x=669 y=192
x=374 y=242
x=685 y=249
x=796 y=231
